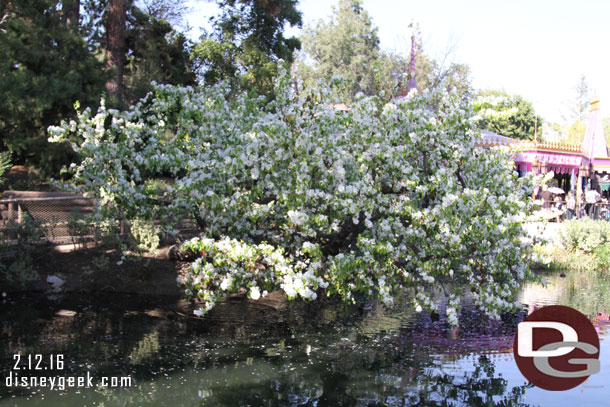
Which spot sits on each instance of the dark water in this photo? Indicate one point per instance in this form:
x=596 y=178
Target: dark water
x=284 y=354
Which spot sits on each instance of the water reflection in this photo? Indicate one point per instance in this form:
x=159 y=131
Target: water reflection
x=282 y=354
x=588 y=292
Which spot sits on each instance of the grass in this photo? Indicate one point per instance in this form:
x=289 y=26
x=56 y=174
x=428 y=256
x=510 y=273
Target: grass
x=562 y=259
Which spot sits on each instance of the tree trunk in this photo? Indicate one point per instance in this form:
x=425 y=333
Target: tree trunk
x=115 y=49
x=71 y=12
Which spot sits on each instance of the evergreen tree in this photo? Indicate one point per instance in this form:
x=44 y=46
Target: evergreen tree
x=575 y=113
x=71 y=13
x=52 y=56
x=156 y=52
x=152 y=51
x=45 y=67
x=578 y=106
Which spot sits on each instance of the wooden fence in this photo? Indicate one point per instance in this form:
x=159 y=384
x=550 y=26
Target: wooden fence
x=54 y=209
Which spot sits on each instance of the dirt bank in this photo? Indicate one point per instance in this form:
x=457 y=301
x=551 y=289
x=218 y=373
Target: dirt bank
x=98 y=270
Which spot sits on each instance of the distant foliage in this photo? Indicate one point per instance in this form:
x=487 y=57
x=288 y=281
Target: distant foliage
x=348 y=45
x=156 y=53
x=507 y=115
x=5 y=164
x=602 y=255
x=17 y=261
x=49 y=65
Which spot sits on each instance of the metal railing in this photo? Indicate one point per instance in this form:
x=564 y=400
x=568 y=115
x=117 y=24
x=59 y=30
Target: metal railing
x=596 y=211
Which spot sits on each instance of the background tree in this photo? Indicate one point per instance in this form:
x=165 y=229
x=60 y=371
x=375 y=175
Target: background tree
x=52 y=54
x=71 y=13
x=578 y=106
x=575 y=114
x=507 y=115
x=573 y=132
x=45 y=67
x=153 y=50
x=5 y=164
x=156 y=52
x=172 y=11
x=248 y=43
x=348 y=45
x=454 y=77
x=430 y=73
x=115 y=49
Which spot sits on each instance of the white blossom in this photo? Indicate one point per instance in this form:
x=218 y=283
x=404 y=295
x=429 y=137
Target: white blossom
x=302 y=176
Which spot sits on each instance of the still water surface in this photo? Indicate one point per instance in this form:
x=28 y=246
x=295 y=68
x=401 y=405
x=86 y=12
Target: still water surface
x=287 y=354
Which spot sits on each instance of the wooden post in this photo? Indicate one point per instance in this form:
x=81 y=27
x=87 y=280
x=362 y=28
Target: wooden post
x=11 y=210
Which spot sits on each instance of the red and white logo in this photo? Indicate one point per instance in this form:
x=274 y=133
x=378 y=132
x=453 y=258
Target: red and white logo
x=557 y=348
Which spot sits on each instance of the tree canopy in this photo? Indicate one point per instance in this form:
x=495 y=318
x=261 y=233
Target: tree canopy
x=507 y=115
x=46 y=67
x=577 y=107
x=346 y=45
x=248 y=44
x=52 y=57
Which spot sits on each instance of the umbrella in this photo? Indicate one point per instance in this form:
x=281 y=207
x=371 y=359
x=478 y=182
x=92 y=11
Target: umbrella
x=555 y=190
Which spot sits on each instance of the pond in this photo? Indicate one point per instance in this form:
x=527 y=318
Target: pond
x=282 y=354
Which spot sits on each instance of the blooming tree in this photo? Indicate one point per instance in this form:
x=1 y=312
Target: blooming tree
x=298 y=196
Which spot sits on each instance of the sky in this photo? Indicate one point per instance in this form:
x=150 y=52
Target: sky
x=538 y=49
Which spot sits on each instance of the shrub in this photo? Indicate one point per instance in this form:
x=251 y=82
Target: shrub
x=585 y=234
x=17 y=260
x=106 y=233
x=602 y=254
x=144 y=235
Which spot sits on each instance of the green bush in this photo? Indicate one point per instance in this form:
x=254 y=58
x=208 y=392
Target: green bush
x=585 y=234
x=144 y=235
x=106 y=233
x=20 y=271
x=17 y=263
x=602 y=254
